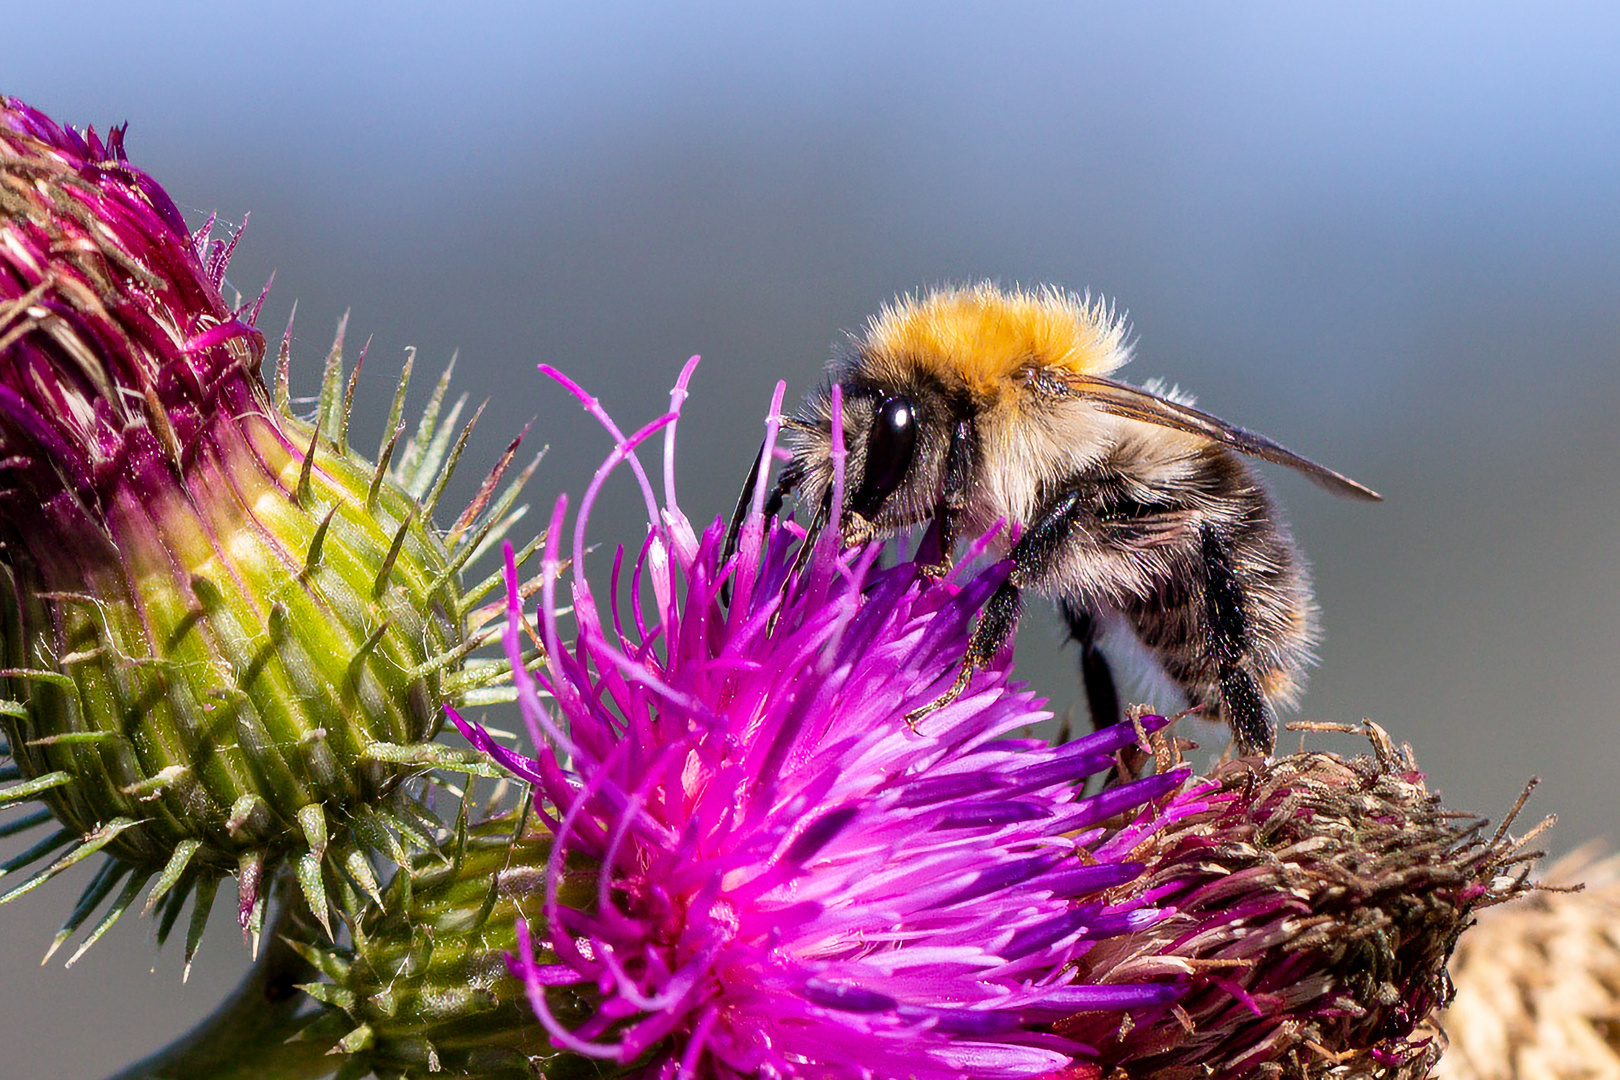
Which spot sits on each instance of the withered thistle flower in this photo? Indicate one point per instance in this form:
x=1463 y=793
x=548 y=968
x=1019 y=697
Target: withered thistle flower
x=1317 y=900
x=1538 y=983
x=227 y=637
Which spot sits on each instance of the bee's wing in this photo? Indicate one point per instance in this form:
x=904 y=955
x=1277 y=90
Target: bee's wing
x=1135 y=403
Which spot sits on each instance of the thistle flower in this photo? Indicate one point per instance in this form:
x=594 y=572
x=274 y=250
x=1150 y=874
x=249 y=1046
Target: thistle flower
x=1538 y=983
x=742 y=860
x=227 y=638
x=791 y=881
x=1316 y=902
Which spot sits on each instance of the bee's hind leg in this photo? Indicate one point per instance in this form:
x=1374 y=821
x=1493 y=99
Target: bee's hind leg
x=1243 y=703
x=1102 y=697
x=1245 y=709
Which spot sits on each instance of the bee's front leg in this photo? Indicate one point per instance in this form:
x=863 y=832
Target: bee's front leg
x=953 y=497
x=856 y=529
x=944 y=539
x=1034 y=556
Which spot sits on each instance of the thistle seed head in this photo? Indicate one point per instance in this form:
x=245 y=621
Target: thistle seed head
x=1317 y=900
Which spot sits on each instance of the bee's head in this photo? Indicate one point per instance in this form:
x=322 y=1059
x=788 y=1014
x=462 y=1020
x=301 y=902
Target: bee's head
x=926 y=366
x=896 y=432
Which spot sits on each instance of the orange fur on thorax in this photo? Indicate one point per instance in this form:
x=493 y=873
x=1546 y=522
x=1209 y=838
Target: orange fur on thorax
x=982 y=335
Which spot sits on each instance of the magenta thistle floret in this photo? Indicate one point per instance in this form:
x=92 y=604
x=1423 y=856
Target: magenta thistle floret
x=119 y=348
x=792 y=880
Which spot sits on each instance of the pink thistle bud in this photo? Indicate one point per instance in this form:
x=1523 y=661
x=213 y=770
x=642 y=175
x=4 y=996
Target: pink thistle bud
x=226 y=637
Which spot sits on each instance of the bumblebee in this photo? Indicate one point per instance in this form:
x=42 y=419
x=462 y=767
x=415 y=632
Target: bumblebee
x=1136 y=512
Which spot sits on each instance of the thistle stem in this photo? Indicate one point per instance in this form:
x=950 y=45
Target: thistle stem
x=246 y=1037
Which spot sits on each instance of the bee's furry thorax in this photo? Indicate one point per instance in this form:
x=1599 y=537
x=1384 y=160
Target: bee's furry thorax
x=981 y=334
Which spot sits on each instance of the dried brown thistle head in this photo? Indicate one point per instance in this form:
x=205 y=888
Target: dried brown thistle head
x=1317 y=901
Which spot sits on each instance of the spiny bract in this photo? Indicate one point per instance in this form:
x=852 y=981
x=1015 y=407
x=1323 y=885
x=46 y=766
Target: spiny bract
x=227 y=637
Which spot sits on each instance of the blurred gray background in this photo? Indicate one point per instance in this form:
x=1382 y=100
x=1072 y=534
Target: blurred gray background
x=1389 y=238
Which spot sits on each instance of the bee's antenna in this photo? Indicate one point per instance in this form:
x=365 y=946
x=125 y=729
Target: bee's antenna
x=744 y=499
x=813 y=533
x=773 y=506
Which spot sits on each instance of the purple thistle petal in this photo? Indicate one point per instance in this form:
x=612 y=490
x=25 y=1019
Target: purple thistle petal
x=791 y=880
x=847 y=998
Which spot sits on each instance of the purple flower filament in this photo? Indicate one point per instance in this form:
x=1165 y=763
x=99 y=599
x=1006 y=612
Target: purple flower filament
x=793 y=881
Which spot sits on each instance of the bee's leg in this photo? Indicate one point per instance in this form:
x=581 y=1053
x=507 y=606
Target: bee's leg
x=995 y=629
x=940 y=556
x=1033 y=557
x=1101 y=695
x=1245 y=707
x=1243 y=703
x=953 y=497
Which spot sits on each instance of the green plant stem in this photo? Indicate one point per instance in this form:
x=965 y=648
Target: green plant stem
x=246 y=1037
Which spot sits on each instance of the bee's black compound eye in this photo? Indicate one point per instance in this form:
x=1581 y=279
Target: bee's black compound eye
x=889 y=448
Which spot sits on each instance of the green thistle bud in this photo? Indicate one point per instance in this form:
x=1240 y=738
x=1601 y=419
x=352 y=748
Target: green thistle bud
x=226 y=637
x=425 y=988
